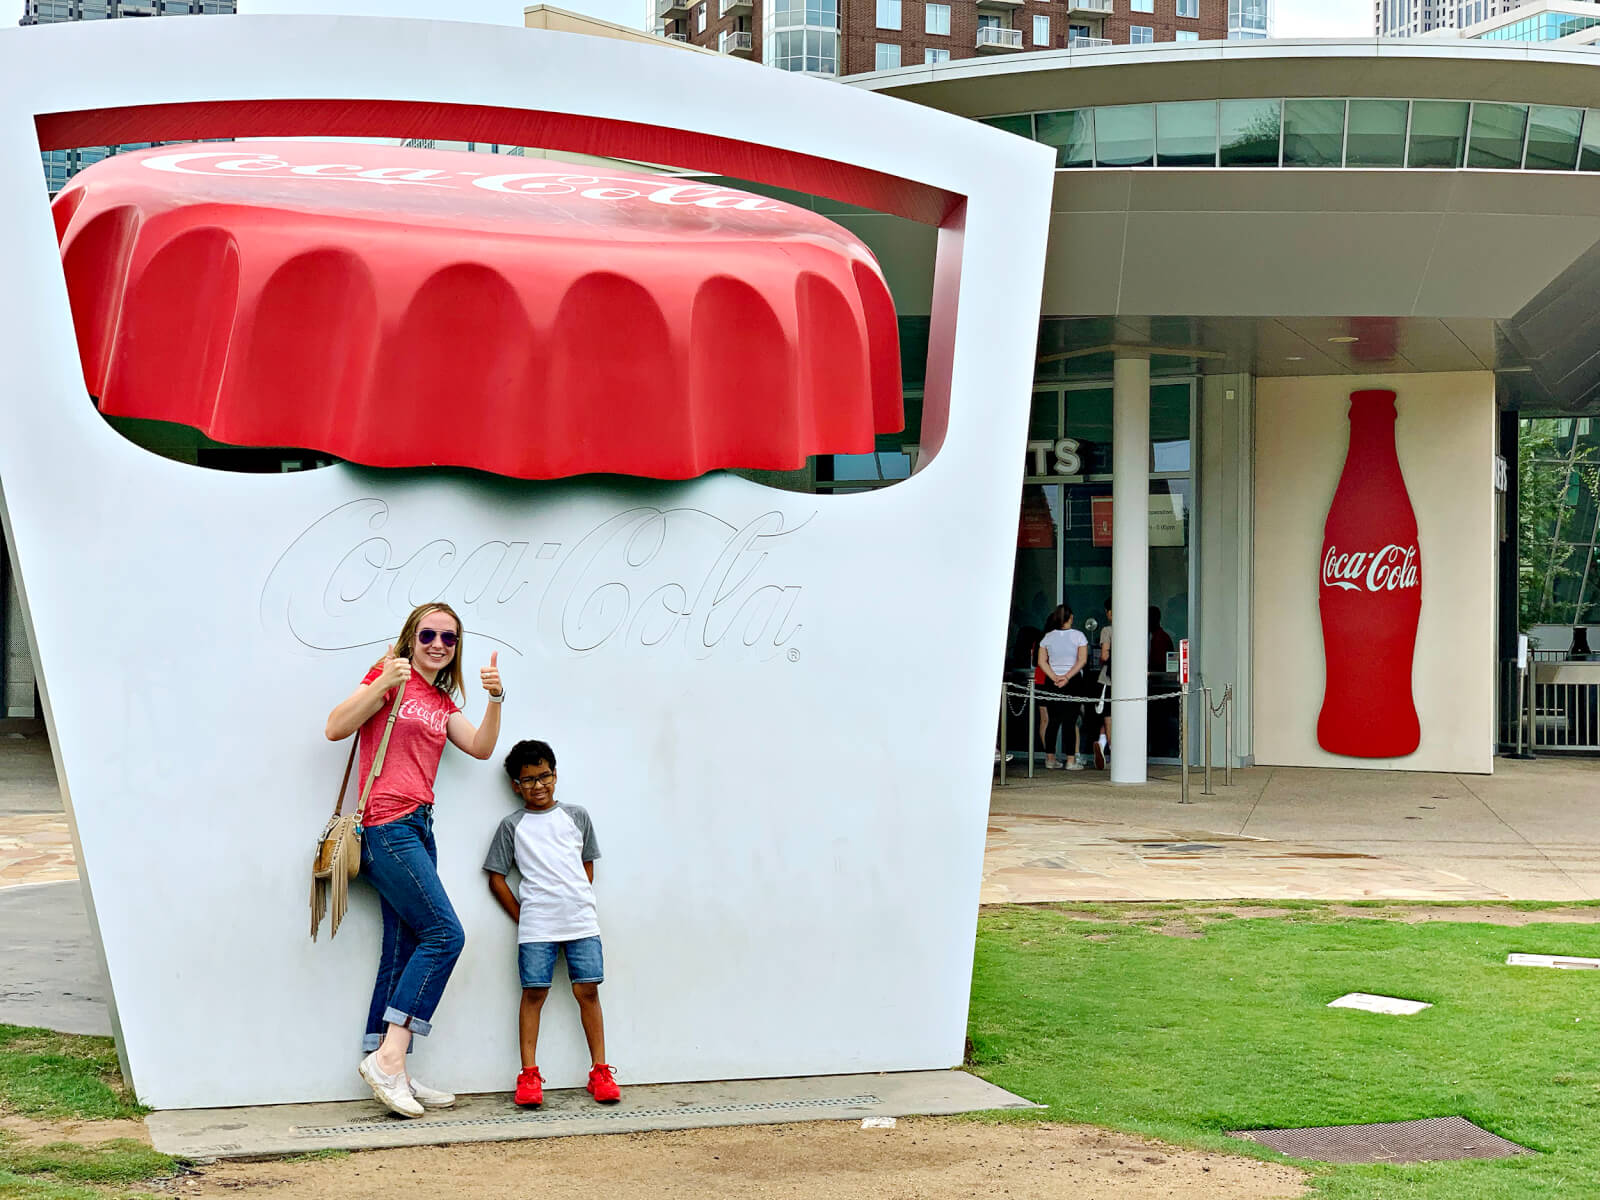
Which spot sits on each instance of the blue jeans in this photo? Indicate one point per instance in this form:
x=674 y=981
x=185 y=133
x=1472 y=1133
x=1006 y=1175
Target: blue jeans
x=421 y=936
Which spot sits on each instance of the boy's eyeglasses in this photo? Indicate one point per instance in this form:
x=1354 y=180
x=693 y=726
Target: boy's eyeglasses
x=446 y=638
x=545 y=780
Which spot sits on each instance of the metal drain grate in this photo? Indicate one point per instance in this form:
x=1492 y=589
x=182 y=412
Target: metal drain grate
x=588 y=1114
x=1437 y=1139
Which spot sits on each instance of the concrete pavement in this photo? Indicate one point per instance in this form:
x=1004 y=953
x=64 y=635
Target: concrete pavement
x=1531 y=831
x=50 y=973
x=362 y=1125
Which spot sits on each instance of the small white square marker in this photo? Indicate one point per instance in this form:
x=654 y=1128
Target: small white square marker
x=1560 y=961
x=1388 y=1005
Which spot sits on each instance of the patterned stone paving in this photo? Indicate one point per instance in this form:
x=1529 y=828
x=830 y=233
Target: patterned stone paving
x=1040 y=859
x=1029 y=859
x=35 y=848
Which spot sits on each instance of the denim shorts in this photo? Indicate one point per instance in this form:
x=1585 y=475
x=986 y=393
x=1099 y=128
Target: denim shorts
x=536 y=961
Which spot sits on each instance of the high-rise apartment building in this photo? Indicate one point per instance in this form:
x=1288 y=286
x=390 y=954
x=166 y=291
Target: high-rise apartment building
x=850 y=37
x=62 y=165
x=1413 y=18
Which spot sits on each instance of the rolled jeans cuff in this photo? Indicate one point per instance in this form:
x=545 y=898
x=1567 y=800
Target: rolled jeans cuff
x=393 y=1016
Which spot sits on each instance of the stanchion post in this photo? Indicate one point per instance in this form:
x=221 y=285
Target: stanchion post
x=1032 y=726
x=1227 y=737
x=1522 y=712
x=1205 y=699
x=1005 y=713
x=1183 y=744
x=1531 y=711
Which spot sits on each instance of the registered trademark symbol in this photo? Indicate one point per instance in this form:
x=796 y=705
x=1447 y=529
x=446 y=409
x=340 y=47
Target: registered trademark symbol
x=794 y=655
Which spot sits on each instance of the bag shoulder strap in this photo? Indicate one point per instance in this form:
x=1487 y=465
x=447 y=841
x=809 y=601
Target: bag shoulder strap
x=377 y=760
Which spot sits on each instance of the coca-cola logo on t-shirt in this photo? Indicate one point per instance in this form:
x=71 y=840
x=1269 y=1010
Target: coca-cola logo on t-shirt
x=432 y=716
x=1390 y=569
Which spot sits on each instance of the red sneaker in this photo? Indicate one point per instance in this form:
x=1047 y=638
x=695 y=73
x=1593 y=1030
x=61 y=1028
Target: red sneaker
x=530 y=1088
x=602 y=1086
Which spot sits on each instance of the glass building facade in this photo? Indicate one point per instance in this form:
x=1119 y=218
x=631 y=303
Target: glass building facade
x=1545 y=27
x=62 y=165
x=1565 y=570
x=802 y=35
x=1319 y=133
x=1249 y=20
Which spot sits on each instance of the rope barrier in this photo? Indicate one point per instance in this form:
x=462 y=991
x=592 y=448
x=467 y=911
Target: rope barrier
x=1043 y=697
x=1221 y=706
x=1030 y=696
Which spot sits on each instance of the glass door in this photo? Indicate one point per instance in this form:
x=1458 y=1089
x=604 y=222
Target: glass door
x=1064 y=530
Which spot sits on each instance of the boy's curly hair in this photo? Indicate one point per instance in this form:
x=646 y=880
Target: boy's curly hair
x=526 y=754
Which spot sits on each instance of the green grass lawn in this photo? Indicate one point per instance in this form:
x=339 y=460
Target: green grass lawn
x=1110 y=1021
x=58 y=1075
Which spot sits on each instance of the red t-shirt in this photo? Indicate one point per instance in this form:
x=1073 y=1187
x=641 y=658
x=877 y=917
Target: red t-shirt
x=415 y=747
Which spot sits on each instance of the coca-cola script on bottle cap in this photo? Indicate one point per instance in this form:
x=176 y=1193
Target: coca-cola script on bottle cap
x=401 y=307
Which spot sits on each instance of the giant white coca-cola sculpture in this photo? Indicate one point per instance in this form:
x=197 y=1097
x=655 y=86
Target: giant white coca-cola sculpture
x=577 y=349
x=1371 y=594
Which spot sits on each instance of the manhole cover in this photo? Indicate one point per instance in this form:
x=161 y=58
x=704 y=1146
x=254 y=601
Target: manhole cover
x=1437 y=1139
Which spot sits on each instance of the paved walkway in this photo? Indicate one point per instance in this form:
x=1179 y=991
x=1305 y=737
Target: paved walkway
x=1529 y=832
x=35 y=845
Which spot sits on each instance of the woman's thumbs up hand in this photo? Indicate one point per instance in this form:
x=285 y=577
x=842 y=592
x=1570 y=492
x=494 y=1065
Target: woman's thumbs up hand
x=396 y=671
x=491 y=676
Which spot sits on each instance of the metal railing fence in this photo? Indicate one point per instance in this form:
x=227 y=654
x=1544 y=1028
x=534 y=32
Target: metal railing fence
x=1028 y=697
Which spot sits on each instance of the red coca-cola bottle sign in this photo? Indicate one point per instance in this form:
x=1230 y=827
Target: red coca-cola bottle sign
x=1370 y=594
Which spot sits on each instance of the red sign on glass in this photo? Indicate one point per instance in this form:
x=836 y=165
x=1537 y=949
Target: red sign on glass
x=1037 y=528
x=1100 y=520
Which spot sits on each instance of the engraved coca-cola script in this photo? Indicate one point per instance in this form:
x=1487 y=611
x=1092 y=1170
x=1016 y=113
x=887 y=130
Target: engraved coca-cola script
x=667 y=580
x=1387 y=570
x=613 y=188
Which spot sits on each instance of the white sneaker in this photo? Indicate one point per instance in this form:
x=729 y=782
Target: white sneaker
x=431 y=1097
x=391 y=1091
x=1074 y=765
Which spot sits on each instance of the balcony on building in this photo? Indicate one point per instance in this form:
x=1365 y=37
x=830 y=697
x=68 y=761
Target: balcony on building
x=671 y=10
x=1079 y=42
x=993 y=39
x=736 y=41
x=1008 y=5
x=727 y=7
x=1089 y=8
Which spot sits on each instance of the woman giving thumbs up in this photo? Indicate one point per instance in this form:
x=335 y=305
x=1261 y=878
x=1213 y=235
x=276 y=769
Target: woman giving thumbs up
x=421 y=936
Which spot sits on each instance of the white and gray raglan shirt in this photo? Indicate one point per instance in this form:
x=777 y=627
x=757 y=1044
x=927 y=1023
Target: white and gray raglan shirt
x=548 y=850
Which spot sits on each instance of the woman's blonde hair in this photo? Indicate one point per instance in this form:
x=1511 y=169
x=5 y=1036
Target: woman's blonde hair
x=449 y=679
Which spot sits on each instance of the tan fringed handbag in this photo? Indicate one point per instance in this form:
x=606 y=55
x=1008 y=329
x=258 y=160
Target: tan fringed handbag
x=338 y=857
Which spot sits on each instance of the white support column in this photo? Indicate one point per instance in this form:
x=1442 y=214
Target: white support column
x=1130 y=564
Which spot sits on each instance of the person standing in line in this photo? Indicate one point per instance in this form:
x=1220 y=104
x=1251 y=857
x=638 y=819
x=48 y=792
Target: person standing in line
x=422 y=938
x=1160 y=641
x=1102 y=744
x=1063 y=654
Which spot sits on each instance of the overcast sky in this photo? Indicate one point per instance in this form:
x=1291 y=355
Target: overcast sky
x=1296 y=18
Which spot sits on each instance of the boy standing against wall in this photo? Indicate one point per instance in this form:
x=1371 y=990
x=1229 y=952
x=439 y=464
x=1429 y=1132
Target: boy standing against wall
x=552 y=847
